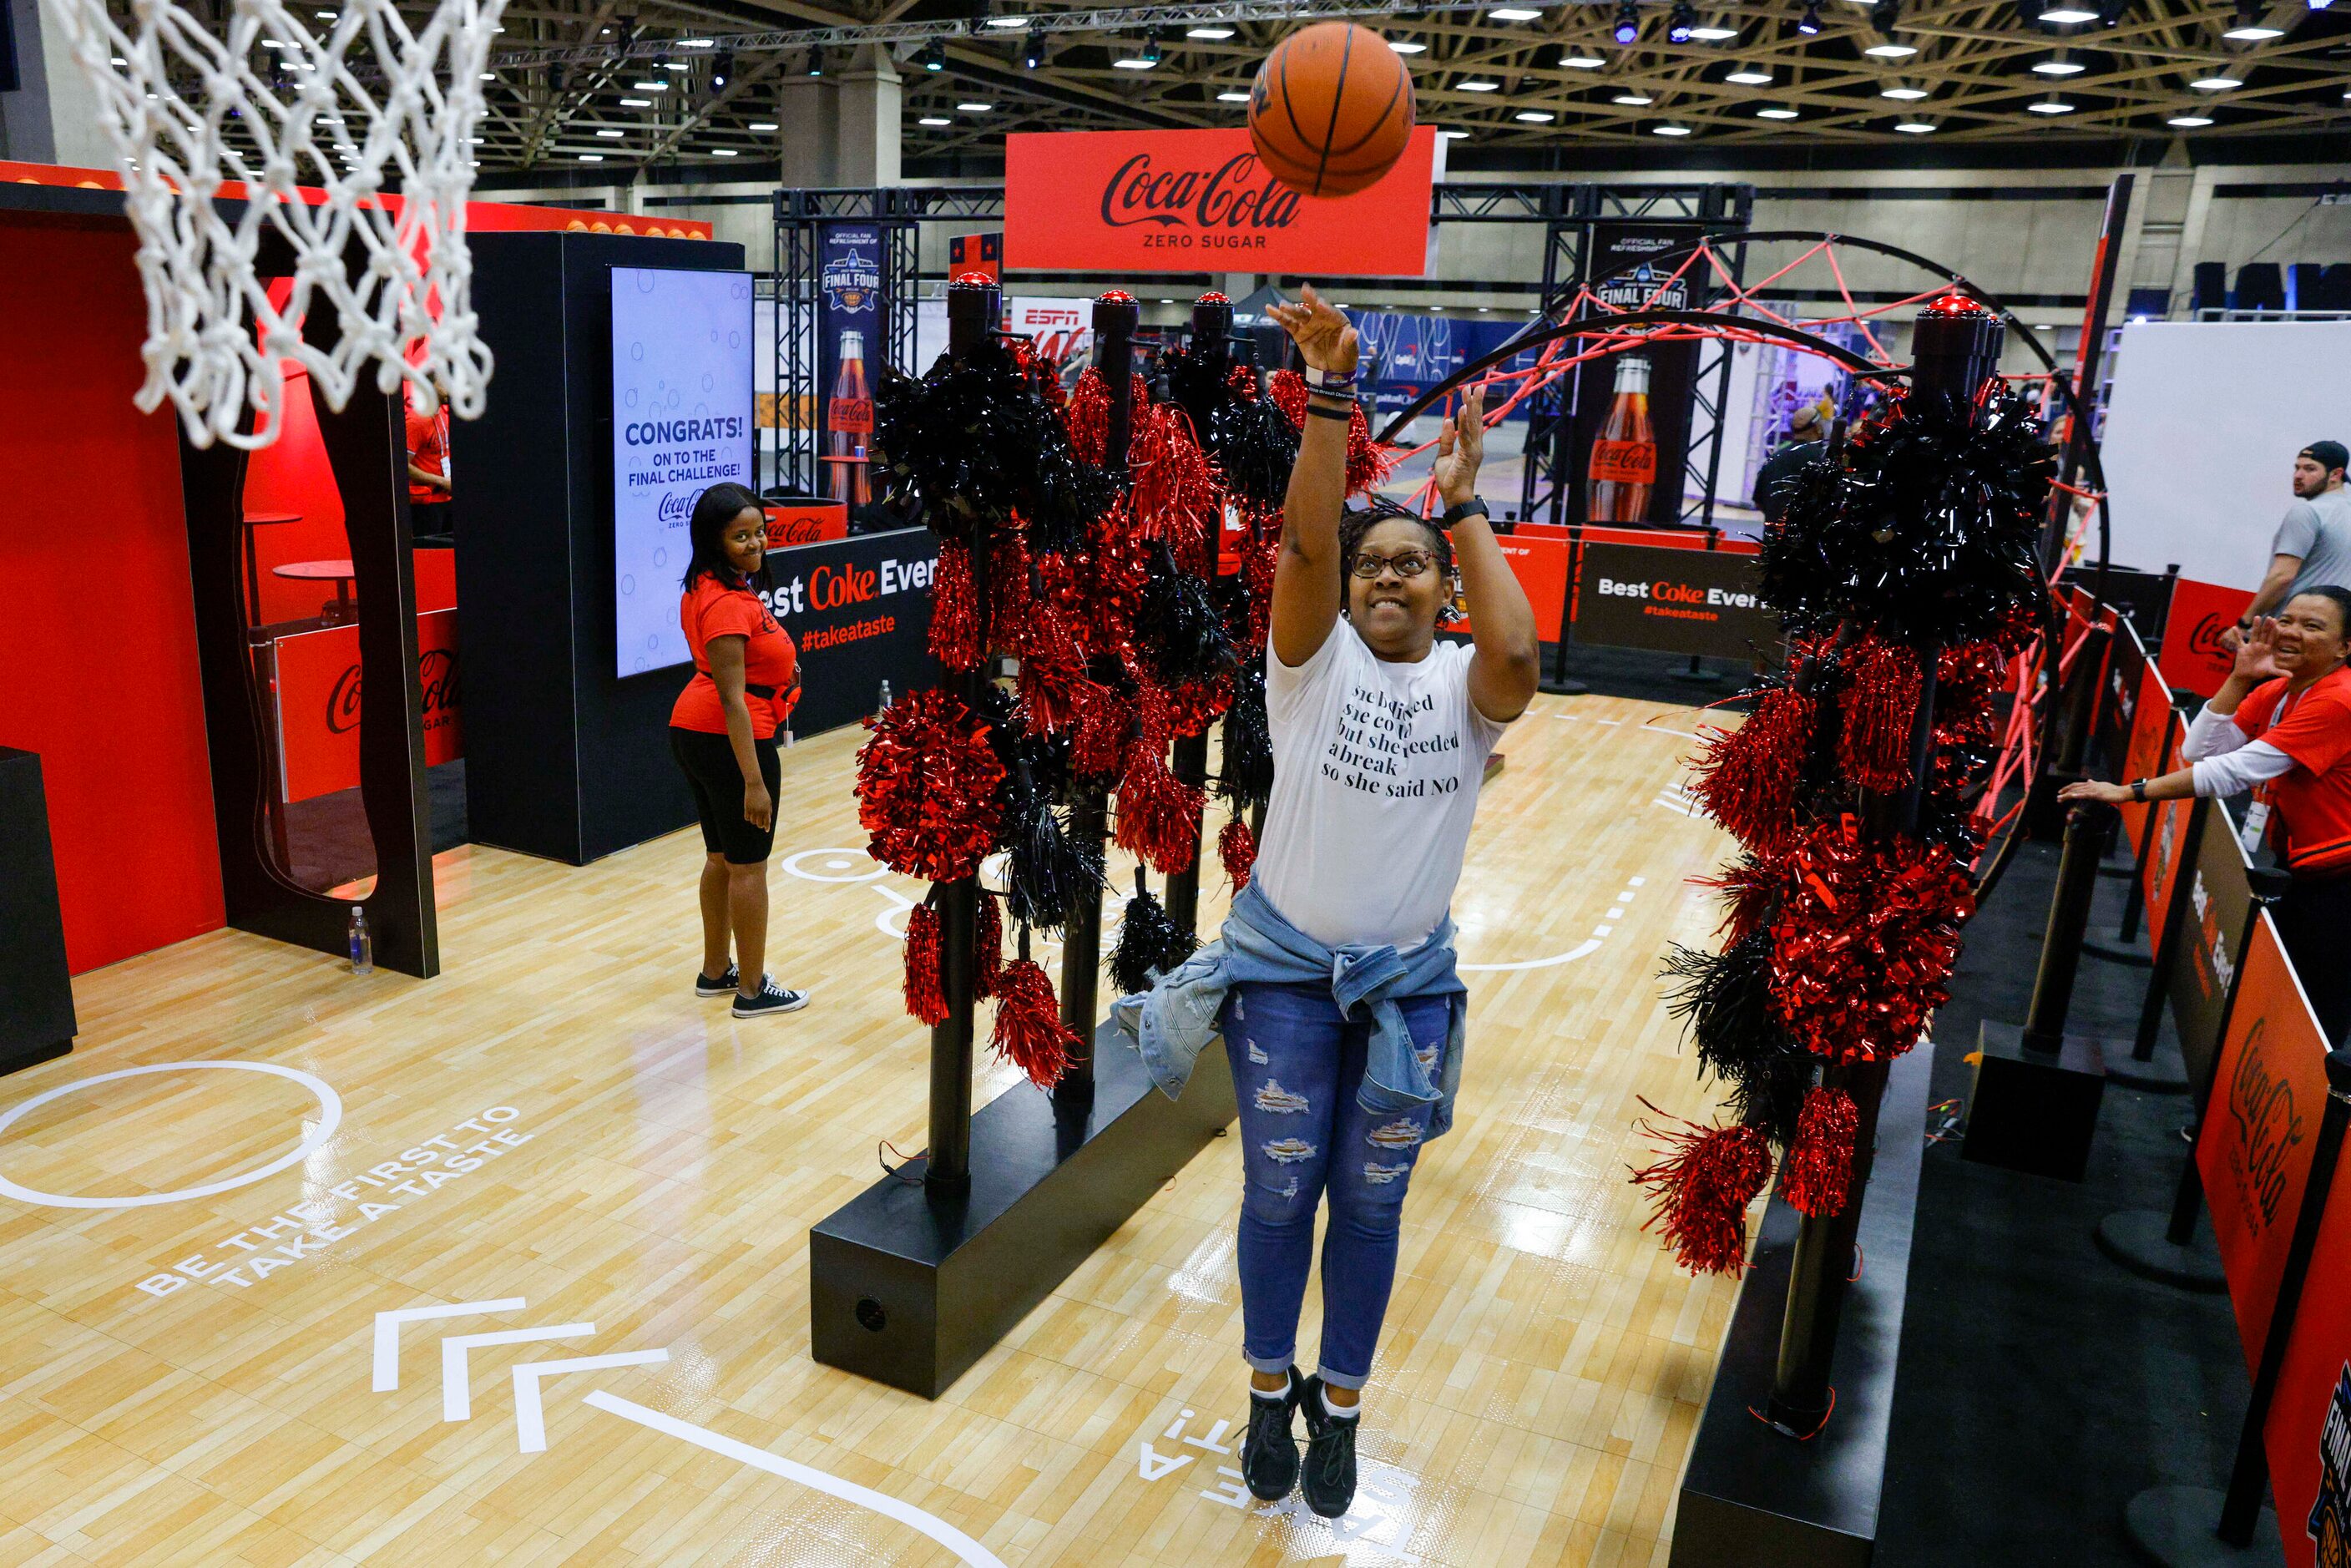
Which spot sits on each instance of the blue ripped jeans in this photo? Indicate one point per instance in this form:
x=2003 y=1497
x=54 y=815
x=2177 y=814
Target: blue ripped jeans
x=1297 y=1063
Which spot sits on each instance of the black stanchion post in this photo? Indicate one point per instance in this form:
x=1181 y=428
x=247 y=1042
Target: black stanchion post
x=2038 y=1089
x=973 y=308
x=1953 y=354
x=1116 y=315
x=1212 y=333
x=2083 y=691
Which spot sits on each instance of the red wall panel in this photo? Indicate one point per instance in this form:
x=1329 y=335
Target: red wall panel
x=98 y=636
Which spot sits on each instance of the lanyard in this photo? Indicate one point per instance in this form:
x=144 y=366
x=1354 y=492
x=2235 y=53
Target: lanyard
x=2257 y=815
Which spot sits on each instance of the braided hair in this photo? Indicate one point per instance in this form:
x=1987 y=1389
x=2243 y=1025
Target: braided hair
x=1354 y=522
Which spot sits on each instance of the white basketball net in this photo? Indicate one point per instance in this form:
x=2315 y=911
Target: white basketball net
x=268 y=102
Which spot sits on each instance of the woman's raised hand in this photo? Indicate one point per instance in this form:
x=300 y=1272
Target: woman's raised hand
x=1324 y=338
x=2257 y=651
x=1461 y=448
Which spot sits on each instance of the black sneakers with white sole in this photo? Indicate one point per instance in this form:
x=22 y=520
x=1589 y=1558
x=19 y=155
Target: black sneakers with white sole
x=1269 y=1446
x=703 y=986
x=772 y=998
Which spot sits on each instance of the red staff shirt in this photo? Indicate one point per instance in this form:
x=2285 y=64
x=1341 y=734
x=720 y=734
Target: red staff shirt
x=428 y=448
x=714 y=607
x=2314 y=798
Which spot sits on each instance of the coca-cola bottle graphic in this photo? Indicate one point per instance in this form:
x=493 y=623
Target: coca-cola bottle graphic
x=848 y=425
x=1623 y=465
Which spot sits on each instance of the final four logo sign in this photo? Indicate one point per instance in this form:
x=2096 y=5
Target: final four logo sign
x=2330 y=1516
x=853 y=276
x=1646 y=288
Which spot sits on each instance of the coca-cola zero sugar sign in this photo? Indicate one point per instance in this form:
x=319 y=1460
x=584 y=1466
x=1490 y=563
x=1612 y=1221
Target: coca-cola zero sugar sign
x=1162 y=201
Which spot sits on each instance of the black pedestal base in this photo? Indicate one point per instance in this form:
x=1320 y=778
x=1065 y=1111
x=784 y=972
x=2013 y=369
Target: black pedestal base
x=1753 y=1497
x=2030 y=1111
x=2137 y=1238
x=2172 y=1526
x=2162 y=1073
x=910 y=1288
x=2116 y=953
x=18 y=1057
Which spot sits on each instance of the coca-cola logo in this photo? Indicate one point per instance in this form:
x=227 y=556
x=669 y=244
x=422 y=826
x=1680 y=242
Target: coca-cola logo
x=343 y=701
x=2269 y=1124
x=437 y=674
x=676 y=506
x=2204 y=637
x=1235 y=193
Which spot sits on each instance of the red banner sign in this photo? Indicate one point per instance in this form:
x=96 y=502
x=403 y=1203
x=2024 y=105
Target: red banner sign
x=2193 y=658
x=2308 y=1433
x=1540 y=567
x=2160 y=869
x=806 y=522
x=2258 y=1131
x=2151 y=717
x=319 y=703
x=1200 y=201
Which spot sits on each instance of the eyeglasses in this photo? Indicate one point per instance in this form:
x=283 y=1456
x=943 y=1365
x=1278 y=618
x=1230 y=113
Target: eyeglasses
x=1410 y=563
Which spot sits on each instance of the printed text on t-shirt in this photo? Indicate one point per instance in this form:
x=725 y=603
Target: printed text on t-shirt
x=1375 y=739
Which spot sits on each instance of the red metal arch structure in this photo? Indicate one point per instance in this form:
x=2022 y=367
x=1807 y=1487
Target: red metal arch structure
x=1586 y=328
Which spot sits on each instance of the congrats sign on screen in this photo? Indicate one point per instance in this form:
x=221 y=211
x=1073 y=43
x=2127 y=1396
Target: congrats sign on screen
x=681 y=422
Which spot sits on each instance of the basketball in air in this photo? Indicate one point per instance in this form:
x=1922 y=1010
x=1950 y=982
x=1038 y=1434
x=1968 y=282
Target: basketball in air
x=1331 y=109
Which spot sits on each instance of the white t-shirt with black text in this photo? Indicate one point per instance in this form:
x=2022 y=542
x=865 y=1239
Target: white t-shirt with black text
x=1376 y=767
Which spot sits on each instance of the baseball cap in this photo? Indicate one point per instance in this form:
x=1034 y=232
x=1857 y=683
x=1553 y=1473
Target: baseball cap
x=2328 y=454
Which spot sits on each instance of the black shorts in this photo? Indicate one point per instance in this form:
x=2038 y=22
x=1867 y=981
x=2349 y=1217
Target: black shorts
x=708 y=763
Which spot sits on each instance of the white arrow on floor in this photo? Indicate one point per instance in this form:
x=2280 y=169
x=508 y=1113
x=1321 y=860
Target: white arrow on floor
x=387 y=1331
x=906 y=1513
x=530 y=1414
x=456 y=1394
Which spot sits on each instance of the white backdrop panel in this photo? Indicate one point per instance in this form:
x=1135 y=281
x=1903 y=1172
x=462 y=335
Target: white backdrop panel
x=2201 y=432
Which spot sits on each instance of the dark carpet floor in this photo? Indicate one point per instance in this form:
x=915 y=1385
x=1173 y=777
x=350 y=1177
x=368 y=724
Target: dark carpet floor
x=2042 y=1386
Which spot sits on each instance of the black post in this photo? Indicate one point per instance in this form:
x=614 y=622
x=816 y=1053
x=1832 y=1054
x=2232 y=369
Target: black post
x=1956 y=343
x=1116 y=315
x=973 y=306
x=1212 y=333
x=2069 y=917
x=2269 y=885
x=2084 y=697
x=2250 y=1477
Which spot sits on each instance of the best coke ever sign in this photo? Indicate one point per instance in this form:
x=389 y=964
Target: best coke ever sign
x=1200 y=201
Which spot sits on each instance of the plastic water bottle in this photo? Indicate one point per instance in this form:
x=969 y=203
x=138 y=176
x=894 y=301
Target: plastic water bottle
x=363 y=946
x=885 y=698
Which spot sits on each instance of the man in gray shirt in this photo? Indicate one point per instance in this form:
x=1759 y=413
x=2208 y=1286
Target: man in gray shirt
x=2313 y=546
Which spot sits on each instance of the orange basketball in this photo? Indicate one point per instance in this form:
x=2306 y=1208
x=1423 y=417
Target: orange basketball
x=1332 y=108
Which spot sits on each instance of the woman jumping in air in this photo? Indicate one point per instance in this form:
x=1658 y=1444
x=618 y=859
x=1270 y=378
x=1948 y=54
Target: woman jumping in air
x=1333 y=982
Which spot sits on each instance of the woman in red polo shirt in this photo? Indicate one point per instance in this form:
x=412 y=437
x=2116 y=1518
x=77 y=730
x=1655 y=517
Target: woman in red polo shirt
x=723 y=733
x=2281 y=727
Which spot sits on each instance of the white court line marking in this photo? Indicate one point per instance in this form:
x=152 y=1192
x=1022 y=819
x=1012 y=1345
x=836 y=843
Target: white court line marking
x=905 y=1513
x=456 y=1391
x=387 y=1331
x=314 y=1136
x=1581 y=950
x=531 y=1411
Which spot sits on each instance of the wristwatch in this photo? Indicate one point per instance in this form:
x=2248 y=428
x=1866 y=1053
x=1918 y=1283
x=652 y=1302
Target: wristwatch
x=1472 y=508
x=2138 y=790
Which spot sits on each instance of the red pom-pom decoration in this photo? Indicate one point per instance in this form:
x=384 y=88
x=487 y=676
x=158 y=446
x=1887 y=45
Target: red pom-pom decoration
x=1368 y=463
x=1818 y=1170
x=954 y=609
x=1880 y=702
x=1030 y=1032
x=927 y=786
x=925 y=996
x=1158 y=814
x=1287 y=388
x=987 y=947
x=1746 y=778
x=1237 y=847
x=1087 y=418
x=1702 y=1188
x=1176 y=496
x=1008 y=592
x=1866 y=938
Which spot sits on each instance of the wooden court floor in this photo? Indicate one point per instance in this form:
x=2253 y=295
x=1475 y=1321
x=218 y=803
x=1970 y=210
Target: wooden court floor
x=557 y=1128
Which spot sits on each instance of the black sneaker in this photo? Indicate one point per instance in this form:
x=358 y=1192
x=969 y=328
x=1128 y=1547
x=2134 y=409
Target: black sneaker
x=703 y=986
x=1329 y=1481
x=1269 y=1448
x=772 y=998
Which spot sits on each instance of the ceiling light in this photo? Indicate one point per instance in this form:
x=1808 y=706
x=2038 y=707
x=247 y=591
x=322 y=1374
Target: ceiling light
x=2059 y=63
x=723 y=152
x=816 y=62
x=1032 y=50
x=1406 y=46
x=1628 y=22
x=2218 y=82
x=1634 y=99
x=592 y=157
x=974 y=107
x=489 y=76
x=673 y=64
x=693 y=43
x=1008 y=22
x=1775 y=112
x=1142 y=60
x=636 y=103
x=1902 y=91
x=1914 y=127
x=722 y=67
x=1890 y=51
x=2065 y=13
x=2253 y=33
x=763 y=125
x=1670 y=129
x=1584 y=62
x=1214 y=35
x=1151 y=47
x=612 y=135
x=1751 y=76
x=2053 y=104
x=1683 y=17
x=1809 y=24
x=2190 y=122
x=1480 y=87
x=1513 y=13
x=1535 y=116
x=657 y=85
x=935 y=120
x=933 y=56
x=1232 y=98
x=1713 y=35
